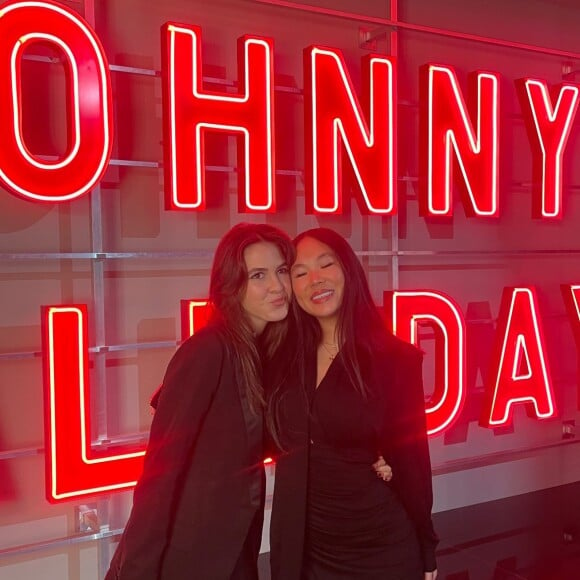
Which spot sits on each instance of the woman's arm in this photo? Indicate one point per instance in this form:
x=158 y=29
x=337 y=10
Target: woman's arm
x=407 y=450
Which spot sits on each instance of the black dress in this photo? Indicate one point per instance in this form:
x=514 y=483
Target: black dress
x=332 y=517
x=356 y=526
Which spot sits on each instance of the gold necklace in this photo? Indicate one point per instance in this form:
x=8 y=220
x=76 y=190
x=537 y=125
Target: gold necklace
x=331 y=355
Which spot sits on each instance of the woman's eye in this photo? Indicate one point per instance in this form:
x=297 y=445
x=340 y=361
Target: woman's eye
x=327 y=265
x=283 y=270
x=299 y=274
x=257 y=276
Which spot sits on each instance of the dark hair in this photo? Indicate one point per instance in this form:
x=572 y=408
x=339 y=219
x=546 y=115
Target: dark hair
x=228 y=281
x=360 y=330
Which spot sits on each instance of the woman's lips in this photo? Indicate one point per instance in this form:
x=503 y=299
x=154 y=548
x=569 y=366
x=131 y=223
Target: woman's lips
x=322 y=296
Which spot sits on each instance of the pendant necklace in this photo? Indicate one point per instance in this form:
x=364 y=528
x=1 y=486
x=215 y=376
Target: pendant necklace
x=331 y=354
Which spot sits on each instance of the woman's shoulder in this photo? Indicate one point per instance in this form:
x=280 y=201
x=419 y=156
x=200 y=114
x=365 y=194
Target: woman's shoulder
x=393 y=350
x=206 y=344
x=209 y=336
x=406 y=349
x=390 y=355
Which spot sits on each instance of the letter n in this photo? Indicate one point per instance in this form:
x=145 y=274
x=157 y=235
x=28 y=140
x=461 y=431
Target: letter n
x=335 y=123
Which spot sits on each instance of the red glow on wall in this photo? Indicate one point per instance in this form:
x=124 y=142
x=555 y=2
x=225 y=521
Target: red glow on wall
x=409 y=309
x=195 y=314
x=469 y=135
x=519 y=370
x=335 y=120
x=548 y=127
x=23 y=24
x=189 y=112
x=73 y=469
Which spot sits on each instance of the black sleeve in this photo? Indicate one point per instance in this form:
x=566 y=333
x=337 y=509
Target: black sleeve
x=407 y=452
x=190 y=382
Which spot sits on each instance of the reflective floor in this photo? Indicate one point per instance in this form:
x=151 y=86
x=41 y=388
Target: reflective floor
x=534 y=536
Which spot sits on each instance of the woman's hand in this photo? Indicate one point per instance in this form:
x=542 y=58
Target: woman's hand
x=385 y=472
x=431 y=575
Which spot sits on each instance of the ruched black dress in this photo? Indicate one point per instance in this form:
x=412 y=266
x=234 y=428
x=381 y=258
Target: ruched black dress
x=356 y=526
x=332 y=517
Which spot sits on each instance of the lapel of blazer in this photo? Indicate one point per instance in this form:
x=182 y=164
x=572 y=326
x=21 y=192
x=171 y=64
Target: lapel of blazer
x=254 y=424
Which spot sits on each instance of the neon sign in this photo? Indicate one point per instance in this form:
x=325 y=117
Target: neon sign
x=459 y=141
x=459 y=137
x=519 y=365
x=72 y=468
x=519 y=376
x=446 y=126
x=191 y=112
x=548 y=129
x=334 y=119
x=440 y=312
x=23 y=24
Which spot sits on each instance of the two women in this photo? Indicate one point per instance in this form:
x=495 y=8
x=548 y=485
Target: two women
x=344 y=391
x=198 y=507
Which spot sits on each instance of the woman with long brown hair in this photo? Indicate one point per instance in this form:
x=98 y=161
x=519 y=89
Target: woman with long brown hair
x=345 y=391
x=198 y=507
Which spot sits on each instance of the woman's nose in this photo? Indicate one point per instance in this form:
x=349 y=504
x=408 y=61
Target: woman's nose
x=276 y=284
x=315 y=277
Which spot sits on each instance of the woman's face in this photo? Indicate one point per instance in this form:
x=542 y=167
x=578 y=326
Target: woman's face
x=268 y=292
x=317 y=279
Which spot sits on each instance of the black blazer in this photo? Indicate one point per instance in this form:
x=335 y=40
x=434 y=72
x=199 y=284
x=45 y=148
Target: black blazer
x=395 y=378
x=203 y=477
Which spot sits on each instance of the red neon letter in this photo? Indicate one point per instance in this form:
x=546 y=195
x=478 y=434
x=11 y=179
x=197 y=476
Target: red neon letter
x=445 y=126
x=334 y=118
x=90 y=126
x=548 y=130
x=439 y=311
x=519 y=368
x=571 y=296
x=73 y=469
x=190 y=112
x=195 y=314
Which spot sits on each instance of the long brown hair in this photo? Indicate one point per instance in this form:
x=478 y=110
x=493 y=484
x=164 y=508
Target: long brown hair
x=228 y=281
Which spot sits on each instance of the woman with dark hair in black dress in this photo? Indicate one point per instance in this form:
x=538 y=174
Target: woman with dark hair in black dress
x=345 y=392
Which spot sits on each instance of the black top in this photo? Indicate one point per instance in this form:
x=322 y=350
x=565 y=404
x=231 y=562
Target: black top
x=348 y=433
x=203 y=479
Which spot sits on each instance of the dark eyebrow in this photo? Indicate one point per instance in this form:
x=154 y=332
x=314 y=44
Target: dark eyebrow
x=254 y=270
